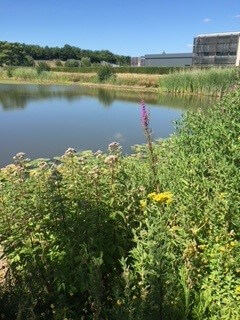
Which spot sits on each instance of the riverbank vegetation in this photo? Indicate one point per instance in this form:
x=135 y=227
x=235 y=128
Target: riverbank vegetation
x=211 y=82
x=203 y=81
x=32 y=75
x=153 y=235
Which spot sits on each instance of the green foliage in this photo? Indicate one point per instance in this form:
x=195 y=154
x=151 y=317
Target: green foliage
x=138 y=70
x=71 y=63
x=42 y=66
x=58 y=63
x=200 y=81
x=85 y=62
x=87 y=236
x=65 y=53
x=9 y=72
x=13 y=55
x=29 y=62
x=104 y=73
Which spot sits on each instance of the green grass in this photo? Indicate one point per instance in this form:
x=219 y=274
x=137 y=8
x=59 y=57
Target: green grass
x=30 y=74
x=213 y=82
x=84 y=239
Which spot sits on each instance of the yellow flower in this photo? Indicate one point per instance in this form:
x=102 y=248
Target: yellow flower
x=151 y=195
x=143 y=203
x=237 y=291
x=163 y=197
x=233 y=243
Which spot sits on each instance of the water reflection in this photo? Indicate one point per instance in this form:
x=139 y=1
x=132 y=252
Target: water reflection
x=44 y=121
x=15 y=96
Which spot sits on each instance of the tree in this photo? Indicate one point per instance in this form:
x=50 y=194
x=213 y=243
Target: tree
x=12 y=54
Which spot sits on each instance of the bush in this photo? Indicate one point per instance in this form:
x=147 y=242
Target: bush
x=29 y=62
x=58 y=63
x=10 y=72
x=42 y=66
x=104 y=73
x=71 y=63
x=85 y=62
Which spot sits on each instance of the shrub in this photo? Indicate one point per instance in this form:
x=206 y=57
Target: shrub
x=58 y=63
x=9 y=72
x=29 y=62
x=85 y=62
x=71 y=63
x=104 y=73
x=42 y=66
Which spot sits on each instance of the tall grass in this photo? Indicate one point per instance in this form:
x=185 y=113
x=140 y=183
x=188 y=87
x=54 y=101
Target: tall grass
x=90 y=236
x=213 y=82
x=30 y=74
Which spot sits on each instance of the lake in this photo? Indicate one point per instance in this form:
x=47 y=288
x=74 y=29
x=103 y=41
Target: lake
x=44 y=120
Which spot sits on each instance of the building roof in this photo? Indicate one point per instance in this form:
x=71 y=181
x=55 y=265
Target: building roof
x=222 y=34
x=168 y=55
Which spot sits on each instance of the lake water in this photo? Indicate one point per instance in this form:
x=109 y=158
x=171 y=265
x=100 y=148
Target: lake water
x=44 y=120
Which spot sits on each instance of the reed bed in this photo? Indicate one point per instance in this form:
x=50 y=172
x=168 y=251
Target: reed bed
x=211 y=82
x=214 y=82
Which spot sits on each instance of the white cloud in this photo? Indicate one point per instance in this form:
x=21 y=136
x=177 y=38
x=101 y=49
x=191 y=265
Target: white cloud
x=237 y=16
x=206 y=20
x=190 y=45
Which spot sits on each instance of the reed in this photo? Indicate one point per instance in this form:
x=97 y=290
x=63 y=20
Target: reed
x=214 y=82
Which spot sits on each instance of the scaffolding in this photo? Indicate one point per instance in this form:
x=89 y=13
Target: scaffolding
x=216 y=49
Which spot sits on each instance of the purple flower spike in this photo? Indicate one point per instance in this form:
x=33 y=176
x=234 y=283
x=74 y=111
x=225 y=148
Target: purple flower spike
x=144 y=115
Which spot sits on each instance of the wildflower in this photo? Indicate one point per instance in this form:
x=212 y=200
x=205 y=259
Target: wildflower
x=143 y=203
x=114 y=147
x=233 y=243
x=43 y=165
x=98 y=154
x=237 y=291
x=94 y=173
x=119 y=302
x=19 y=156
x=163 y=197
x=70 y=152
x=151 y=195
x=111 y=159
x=144 y=115
x=232 y=233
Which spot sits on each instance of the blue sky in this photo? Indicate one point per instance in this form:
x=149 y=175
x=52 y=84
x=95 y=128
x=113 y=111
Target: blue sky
x=129 y=27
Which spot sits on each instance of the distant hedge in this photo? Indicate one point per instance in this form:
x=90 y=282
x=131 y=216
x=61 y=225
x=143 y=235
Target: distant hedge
x=143 y=70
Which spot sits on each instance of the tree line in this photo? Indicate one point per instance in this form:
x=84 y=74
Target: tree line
x=24 y=54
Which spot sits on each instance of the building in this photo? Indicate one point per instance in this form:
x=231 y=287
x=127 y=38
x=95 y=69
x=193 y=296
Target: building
x=217 y=49
x=137 y=61
x=168 y=60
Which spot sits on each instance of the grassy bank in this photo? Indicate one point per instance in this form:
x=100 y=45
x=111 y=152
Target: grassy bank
x=213 y=82
x=123 y=80
x=154 y=235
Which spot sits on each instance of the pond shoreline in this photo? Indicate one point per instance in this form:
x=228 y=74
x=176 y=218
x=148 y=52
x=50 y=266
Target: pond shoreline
x=106 y=86
x=86 y=84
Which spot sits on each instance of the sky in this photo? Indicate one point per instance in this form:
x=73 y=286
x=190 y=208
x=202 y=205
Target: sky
x=128 y=27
